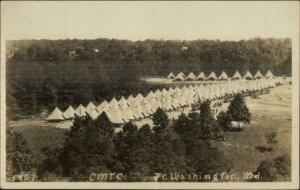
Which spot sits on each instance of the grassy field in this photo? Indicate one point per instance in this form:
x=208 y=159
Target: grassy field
x=270 y=113
x=41 y=135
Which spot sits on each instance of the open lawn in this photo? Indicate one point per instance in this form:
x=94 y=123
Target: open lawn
x=41 y=135
x=270 y=113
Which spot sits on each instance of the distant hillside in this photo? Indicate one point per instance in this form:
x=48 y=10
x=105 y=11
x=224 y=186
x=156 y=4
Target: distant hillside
x=45 y=73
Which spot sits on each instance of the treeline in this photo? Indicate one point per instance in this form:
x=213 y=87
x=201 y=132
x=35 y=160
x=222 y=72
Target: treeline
x=42 y=74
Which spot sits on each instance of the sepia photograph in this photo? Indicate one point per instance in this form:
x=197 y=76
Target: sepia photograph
x=150 y=95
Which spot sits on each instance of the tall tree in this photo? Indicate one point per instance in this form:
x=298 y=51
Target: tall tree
x=160 y=120
x=88 y=147
x=19 y=155
x=224 y=122
x=238 y=110
x=209 y=127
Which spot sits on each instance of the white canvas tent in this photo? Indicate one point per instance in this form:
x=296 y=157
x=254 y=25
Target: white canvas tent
x=212 y=76
x=137 y=110
x=182 y=74
x=94 y=114
x=157 y=93
x=201 y=76
x=56 y=115
x=236 y=76
x=146 y=107
x=164 y=92
x=258 y=75
x=125 y=110
x=131 y=100
x=127 y=113
x=80 y=111
x=248 y=75
x=150 y=96
x=167 y=103
x=171 y=76
x=223 y=76
x=179 y=77
x=123 y=103
x=69 y=113
x=104 y=106
x=269 y=74
x=116 y=116
x=198 y=96
x=90 y=107
x=174 y=102
x=171 y=91
x=139 y=98
x=190 y=76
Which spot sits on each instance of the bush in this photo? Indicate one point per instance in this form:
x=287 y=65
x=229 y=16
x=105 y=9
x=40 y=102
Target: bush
x=278 y=169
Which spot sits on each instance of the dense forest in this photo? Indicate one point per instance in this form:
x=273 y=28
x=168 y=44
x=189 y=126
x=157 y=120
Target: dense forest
x=42 y=74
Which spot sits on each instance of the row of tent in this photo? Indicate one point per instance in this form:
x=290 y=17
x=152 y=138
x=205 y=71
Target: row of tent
x=139 y=107
x=223 y=76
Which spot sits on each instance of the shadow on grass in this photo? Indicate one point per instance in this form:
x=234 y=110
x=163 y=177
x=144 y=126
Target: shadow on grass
x=235 y=129
x=263 y=149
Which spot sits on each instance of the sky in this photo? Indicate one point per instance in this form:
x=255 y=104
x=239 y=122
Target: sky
x=136 y=20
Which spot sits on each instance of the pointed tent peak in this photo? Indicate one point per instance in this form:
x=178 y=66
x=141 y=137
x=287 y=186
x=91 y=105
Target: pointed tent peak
x=80 y=111
x=201 y=76
x=171 y=89
x=150 y=95
x=191 y=76
x=113 y=100
x=151 y=92
x=122 y=99
x=258 y=75
x=90 y=106
x=80 y=107
x=103 y=104
x=247 y=75
x=157 y=92
x=269 y=74
x=179 y=77
x=91 y=103
x=184 y=87
x=182 y=74
x=236 y=75
x=70 y=108
x=139 y=97
x=164 y=91
x=94 y=114
x=212 y=76
x=223 y=76
x=171 y=76
x=114 y=103
x=56 y=115
x=123 y=102
x=130 y=99
x=190 y=87
x=177 y=88
x=69 y=113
